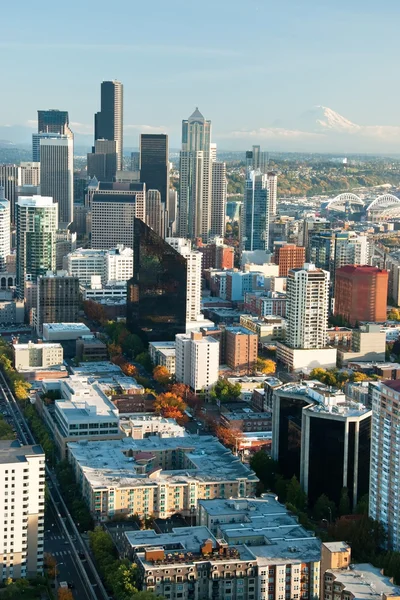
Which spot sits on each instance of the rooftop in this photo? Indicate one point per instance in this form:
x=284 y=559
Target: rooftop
x=240 y=331
x=185 y=538
x=32 y=345
x=11 y=451
x=67 y=327
x=365 y=582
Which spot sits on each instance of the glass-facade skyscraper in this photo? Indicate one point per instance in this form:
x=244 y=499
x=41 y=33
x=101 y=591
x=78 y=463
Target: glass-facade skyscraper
x=255 y=212
x=156 y=295
x=154 y=163
x=108 y=123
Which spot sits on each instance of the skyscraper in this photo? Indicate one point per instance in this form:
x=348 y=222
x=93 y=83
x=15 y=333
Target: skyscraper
x=108 y=123
x=37 y=219
x=9 y=177
x=156 y=295
x=53 y=121
x=255 y=212
x=193 y=277
x=195 y=178
x=5 y=247
x=102 y=161
x=29 y=174
x=218 y=199
x=57 y=174
x=156 y=215
x=272 y=183
x=154 y=163
x=58 y=299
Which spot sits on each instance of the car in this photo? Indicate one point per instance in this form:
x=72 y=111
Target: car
x=81 y=554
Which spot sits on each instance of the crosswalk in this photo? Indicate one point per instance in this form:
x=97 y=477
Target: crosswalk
x=55 y=537
x=61 y=553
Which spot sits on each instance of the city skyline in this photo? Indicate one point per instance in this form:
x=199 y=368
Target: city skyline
x=292 y=68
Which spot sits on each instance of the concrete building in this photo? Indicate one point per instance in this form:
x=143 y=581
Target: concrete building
x=58 y=299
x=361 y=294
x=156 y=216
x=163 y=354
x=102 y=161
x=91 y=349
x=22 y=476
x=109 y=293
x=158 y=476
x=9 y=177
x=5 y=225
x=216 y=254
x=115 y=264
x=266 y=303
x=29 y=174
x=12 y=311
x=272 y=183
x=368 y=344
x=108 y=123
x=30 y=355
x=154 y=166
x=289 y=256
x=37 y=221
x=218 y=199
x=196 y=360
x=193 y=279
x=268 y=329
x=241 y=349
x=58 y=332
x=362 y=582
x=139 y=427
x=57 y=174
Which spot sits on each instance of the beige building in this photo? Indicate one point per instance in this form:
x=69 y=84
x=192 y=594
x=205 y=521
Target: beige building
x=22 y=483
x=368 y=345
x=30 y=355
x=268 y=328
x=157 y=476
x=241 y=349
x=163 y=354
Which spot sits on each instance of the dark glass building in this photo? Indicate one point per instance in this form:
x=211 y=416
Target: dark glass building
x=154 y=163
x=156 y=295
x=53 y=121
x=108 y=123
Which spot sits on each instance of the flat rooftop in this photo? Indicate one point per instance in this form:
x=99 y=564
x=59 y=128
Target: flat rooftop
x=162 y=345
x=185 y=538
x=108 y=464
x=11 y=451
x=93 y=369
x=31 y=345
x=66 y=327
x=365 y=582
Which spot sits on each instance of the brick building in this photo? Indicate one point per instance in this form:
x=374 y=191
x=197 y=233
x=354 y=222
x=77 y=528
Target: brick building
x=289 y=256
x=241 y=346
x=361 y=293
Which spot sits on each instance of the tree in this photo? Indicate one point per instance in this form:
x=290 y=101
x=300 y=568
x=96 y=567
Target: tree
x=225 y=391
x=146 y=595
x=64 y=594
x=114 y=350
x=168 y=404
x=324 y=509
x=162 y=375
x=94 y=311
x=144 y=359
x=265 y=468
x=344 y=502
x=131 y=344
x=365 y=536
x=21 y=389
x=357 y=376
x=266 y=366
x=229 y=437
x=129 y=370
x=362 y=505
x=295 y=495
x=394 y=315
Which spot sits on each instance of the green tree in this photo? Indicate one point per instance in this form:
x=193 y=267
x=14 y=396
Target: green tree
x=295 y=495
x=324 y=509
x=362 y=505
x=224 y=391
x=265 y=468
x=144 y=359
x=344 y=502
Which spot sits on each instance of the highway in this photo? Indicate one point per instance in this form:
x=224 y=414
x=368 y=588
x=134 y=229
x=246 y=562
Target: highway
x=62 y=538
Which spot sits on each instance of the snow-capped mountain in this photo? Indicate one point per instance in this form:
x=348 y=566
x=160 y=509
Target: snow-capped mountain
x=321 y=119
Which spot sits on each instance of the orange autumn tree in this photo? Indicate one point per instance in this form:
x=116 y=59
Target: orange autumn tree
x=129 y=370
x=64 y=594
x=161 y=375
x=229 y=437
x=171 y=406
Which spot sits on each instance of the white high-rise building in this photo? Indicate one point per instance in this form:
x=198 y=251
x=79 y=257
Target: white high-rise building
x=37 y=219
x=218 y=199
x=5 y=224
x=110 y=265
x=195 y=178
x=196 y=360
x=118 y=264
x=29 y=174
x=307 y=291
x=193 y=285
x=272 y=184
x=57 y=174
x=22 y=483
x=352 y=250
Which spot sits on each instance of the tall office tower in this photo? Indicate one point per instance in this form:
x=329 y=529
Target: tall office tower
x=156 y=294
x=22 y=476
x=289 y=256
x=154 y=163
x=113 y=214
x=29 y=174
x=272 y=183
x=172 y=210
x=57 y=174
x=308 y=227
x=197 y=360
x=195 y=178
x=193 y=280
x=307 y=293
x=135 y=161
x=257 y=160
x=53 y=121
x=9 y=176
x=350 y=249
x=385 y=448
x=255 y=212
x=361 y=294
x=108 y=123
x=5 y=224
x=156 y=215
x=102 y=161
x=37 y=219
x=58 y=299
x=218 y=199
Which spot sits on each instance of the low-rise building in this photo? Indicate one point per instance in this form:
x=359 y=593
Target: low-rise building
x=58 y=332
x=361 y=582
x=339 y=336
x=306 y=359
x=142 y=426
x=12 y=311
x=268 y=328
x=31 y=356
x=246 y=420
x=91 y=349
x=368 y=345
x=163 y=354
x=156 y=476
x=266 y=303
x=108 y=292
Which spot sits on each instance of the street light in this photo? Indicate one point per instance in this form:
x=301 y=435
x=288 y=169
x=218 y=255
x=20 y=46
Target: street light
x=55 y=574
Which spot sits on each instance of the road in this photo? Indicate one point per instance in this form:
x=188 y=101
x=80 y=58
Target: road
x=61 y=533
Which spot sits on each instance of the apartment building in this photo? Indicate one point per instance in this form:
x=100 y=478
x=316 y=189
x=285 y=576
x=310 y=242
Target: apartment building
x=30 y=355
x=141 y=426
x=22 y=477
x=241 y=349
x=163 y=354
x=196 y=360
x=267 y=328
x=289 y=256
x=156 y=476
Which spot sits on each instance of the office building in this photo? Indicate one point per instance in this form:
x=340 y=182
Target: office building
x=156 y=216
x=59 y=332
x=58 y=299
x=102 y=161
x=309 y=227
x=114 y=208
x=22 y=473
x=218 y=199
x=256 y=159
x=90 y=348
x=172 y=210
x=9 y=178
x=53 y=121
x=188 y=469
x=255 y=212
x=37 y=219
x=29 y=174
x=65 y=243
x=272 y=184
x=266 y=303
x=154 y=163
x=216 y=254
x=110 y=265
x=385 y=447
x=196 y=360
x=361 y=294
x=289 y=256
x=195 y=178
x=331 y=250
x=368 y=344
x=30 y=355
x=193 y=276
x=135 y=161
x=241 y=350
x=157 y=292
x=5 y=225
x=57 y=174
x=108 y=123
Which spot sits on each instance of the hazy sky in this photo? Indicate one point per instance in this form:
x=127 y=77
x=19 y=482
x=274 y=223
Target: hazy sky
x=247 y=64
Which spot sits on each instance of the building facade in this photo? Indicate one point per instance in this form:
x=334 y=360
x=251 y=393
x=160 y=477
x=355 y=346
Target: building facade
x=58 y=300
x=289 y=256
x=154 y=163
x=108 y=123
x=5 y=225
x=218 y=199
x=255 y=212
x=361 y=294
x=196 y=360
x=27 y=356
x=241 y=349
x=193 y=276
x=57 y=174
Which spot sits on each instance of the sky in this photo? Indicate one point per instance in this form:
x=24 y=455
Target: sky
x=247 y=65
